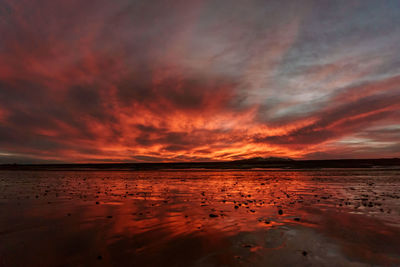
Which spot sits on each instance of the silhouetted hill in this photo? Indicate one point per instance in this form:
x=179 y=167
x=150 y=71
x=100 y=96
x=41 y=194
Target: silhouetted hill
x=254 y=163
x=261 y=159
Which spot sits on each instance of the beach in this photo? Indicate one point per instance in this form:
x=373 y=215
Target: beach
x=325 y=217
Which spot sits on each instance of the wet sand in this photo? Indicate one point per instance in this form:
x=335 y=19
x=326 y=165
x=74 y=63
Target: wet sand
x=331 y=217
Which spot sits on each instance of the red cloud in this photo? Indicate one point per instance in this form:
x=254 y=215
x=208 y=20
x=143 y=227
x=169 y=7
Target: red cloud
x=83 y=82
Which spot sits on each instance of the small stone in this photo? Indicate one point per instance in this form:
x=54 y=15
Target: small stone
x=99 y=257
x=304 y=253
x=236 y=206
x=97 y=203
x=297 y=219
x=280 y=212
x=109 y=216
x=213 y=215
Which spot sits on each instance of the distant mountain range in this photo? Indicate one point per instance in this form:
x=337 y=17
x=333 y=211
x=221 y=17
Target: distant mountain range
x=261 y=159
x=252 y=163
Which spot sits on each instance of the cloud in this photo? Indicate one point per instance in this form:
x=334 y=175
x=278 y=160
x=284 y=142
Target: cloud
x=341 y=119
x=195 y=80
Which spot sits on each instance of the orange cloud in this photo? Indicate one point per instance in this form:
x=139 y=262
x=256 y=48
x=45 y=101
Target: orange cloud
x=176 y=81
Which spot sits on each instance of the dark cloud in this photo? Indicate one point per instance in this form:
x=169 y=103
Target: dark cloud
x=197 y=80
x=336 y=122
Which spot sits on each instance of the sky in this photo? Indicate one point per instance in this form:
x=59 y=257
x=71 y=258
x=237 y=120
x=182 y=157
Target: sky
x=198 y=80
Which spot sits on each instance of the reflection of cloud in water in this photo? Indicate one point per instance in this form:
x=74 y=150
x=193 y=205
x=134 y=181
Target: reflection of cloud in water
x=203 y=218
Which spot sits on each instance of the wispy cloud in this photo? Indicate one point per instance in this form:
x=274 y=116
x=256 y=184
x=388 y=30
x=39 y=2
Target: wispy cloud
x=198 y=80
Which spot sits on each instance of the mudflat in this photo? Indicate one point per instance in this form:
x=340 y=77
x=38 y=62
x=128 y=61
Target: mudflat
x=332 y=217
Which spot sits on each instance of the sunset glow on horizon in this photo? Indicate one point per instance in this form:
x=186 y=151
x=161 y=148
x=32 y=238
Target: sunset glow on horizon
x=168 y=81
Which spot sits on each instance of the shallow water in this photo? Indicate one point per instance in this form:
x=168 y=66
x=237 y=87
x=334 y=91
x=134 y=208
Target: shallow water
x=200 y=218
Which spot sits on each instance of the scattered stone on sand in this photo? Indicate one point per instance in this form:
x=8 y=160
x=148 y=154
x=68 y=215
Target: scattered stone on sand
x=267 y=202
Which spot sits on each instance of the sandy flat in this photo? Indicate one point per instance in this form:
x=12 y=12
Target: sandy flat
x=200 y=218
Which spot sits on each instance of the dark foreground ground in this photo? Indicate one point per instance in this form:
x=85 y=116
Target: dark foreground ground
x=255 y=163
x=336 y=217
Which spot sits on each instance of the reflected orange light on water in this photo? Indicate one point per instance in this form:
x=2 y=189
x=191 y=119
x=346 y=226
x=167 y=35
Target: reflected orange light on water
x=245 y=215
